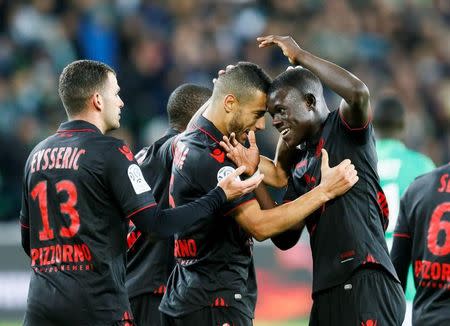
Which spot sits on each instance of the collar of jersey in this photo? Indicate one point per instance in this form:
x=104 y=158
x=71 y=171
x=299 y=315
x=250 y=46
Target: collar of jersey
x=78 y=126
x=311 y=143
x=209 y=129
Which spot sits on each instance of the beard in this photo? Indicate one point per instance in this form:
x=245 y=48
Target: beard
x=236 y=126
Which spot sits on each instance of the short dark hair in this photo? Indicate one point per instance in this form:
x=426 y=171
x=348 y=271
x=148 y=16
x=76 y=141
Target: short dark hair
x=299 y=78
x=184 y=101
x=78 y=81
x=242 y=81
x=389 y=115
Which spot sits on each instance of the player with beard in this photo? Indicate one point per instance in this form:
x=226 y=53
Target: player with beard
x=213 y=282
x=149 y=258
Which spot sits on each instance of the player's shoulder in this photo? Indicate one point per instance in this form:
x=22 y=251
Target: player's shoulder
x=111 y=148
x=161 y=150
x=107 y=141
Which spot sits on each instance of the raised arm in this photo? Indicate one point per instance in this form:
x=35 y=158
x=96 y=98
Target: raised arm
x=355 y=107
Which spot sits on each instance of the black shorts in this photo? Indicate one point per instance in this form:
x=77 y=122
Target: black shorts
x=145 y=309
x=35 y=319
x=371 y=297
x=209 y=316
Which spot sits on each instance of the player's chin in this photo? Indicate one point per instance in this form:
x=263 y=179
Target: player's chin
x=290 y=141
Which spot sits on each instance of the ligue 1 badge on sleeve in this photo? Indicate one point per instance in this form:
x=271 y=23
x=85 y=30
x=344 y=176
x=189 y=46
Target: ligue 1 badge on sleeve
x=224 y=172
x=137 y=179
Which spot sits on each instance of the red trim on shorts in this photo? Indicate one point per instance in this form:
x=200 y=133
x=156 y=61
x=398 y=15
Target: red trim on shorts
x=234 y=208
x=355 y=129
x=402 y=235
x=141 y=209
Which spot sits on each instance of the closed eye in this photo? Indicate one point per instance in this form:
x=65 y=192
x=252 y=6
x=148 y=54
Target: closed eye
x=260 y=114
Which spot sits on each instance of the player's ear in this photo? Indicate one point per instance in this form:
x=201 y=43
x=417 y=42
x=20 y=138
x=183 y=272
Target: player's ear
x=229 y=103
x=97 y=101
x=310 y=101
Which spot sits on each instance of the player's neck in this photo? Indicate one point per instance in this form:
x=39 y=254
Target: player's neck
x=215 y=115
x=91 y=119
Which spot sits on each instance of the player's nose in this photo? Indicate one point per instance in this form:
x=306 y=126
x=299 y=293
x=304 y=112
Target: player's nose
x=261 y=123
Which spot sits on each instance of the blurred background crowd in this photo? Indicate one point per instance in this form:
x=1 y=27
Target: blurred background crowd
x=395 y=46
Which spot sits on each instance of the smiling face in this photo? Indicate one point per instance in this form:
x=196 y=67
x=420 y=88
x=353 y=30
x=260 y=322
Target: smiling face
x=247 y=116
x=293 y=115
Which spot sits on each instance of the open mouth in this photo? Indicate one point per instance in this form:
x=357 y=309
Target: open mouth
x=285 y=132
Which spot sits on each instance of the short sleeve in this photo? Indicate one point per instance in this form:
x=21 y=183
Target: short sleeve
x=126 y=181
x=361 y=134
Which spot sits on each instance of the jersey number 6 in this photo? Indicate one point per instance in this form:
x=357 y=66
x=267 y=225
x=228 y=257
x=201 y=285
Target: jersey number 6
x=67 y=207
x=437 y=224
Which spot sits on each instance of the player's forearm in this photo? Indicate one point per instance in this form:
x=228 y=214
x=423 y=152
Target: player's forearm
x=263 y=197
x=281 y=218
x=274 y=176
x=25 y=234
x=341 y=81
x=287 y=239
x=401 y=258
x=169 y=221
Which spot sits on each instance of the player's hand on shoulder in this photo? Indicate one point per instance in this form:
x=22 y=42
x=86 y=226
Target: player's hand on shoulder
x=337 y=180
x=287 y=44
x=234 y=187
x=240 y=155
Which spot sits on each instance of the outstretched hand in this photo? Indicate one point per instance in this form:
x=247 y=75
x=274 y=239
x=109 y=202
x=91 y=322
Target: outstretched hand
x=234 y=187
x=287 y=44
x=337 y=180
x=240 y=155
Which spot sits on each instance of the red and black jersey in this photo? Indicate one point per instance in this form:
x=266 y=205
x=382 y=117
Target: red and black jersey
x=214 y=263
x=348 y=231
x=79 y=187
x=150 y=259
x=422 y=235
